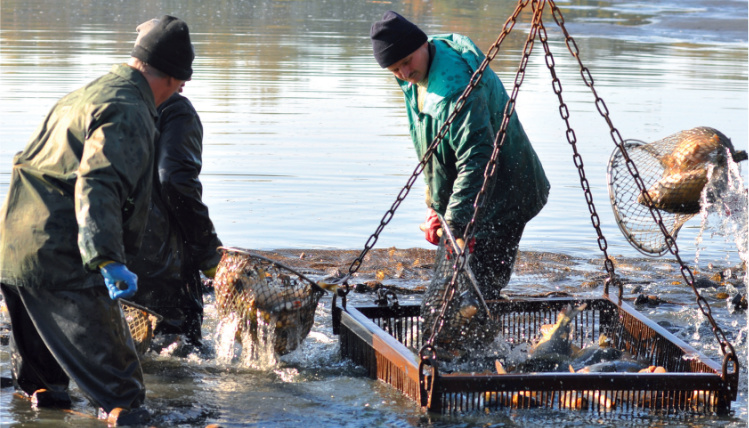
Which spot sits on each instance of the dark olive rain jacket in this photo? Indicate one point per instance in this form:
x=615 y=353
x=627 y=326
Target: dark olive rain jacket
x=455 y=173
x=79 y=191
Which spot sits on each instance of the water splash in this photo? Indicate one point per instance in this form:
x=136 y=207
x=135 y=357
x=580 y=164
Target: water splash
x=258 y=352
x=242 y=347
x=724 y=209
x=225 y=339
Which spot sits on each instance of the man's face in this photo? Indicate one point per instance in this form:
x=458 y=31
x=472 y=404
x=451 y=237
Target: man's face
x=176 y=85
x=412 y=68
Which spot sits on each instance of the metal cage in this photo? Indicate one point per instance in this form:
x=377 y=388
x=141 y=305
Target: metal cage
x=383 y=339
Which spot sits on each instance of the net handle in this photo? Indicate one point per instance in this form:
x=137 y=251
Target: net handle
x=314 y=285
x=466 y=267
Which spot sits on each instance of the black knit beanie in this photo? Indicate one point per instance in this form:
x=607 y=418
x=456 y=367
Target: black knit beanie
x=394 y=38
x=167 y=48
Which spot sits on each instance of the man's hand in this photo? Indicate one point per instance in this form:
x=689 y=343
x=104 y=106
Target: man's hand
x=461 y=243
x=431 y=227
x=122 y=283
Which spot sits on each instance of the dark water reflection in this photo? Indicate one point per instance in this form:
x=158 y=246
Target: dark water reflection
x=306 y=146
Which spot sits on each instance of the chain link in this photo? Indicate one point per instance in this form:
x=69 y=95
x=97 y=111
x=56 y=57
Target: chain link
x=727 y=349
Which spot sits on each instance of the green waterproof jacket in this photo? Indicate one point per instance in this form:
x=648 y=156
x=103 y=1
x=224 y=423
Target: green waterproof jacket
x=79 y=191
x=455 y=173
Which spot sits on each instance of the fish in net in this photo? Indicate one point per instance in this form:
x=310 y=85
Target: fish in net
x=466 y=326
x=674 y=171
x=265 y=300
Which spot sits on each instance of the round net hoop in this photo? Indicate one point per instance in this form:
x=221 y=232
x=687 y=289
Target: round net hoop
x=260 y=295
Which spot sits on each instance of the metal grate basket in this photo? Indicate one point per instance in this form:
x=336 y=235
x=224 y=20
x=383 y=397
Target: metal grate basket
x=260 y=294
x=383 y=339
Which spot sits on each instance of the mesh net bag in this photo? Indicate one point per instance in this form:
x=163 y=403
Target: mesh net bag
x=674 y=171
x=466 y=324
x=141 y=322
x=259 y=293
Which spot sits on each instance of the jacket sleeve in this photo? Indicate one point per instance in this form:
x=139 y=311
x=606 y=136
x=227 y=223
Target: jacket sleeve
x=471 y=137
x=113 y=184
x=179 y=163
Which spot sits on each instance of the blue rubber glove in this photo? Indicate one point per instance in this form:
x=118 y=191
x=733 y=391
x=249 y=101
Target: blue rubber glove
x=119 y=280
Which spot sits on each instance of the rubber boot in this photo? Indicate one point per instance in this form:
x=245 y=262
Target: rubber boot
x=122 y=417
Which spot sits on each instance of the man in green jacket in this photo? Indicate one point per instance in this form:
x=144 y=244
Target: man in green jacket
x=433 y=72
x=74 y=214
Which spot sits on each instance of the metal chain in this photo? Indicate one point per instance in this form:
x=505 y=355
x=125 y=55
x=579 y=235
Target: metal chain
x=578 y=161
x=727 y=349
x=489 y=172
x=475 y=79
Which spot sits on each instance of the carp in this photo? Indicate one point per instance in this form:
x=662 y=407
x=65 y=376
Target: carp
x=685 y=168
x=576 y=400
x=595 y=353
x=678 y=193
x=698 y=146
x=618 y=366
x=554 y=351
x=702 y=399
x=142 y=322
x=580 y=400
x=654 y=369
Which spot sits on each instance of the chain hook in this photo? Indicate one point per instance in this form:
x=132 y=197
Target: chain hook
x=731 y=362
x=427 y=361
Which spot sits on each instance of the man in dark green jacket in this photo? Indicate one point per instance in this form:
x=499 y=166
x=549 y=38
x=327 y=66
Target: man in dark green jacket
x=181 y=240
x=433 y=72
x=73 y=217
